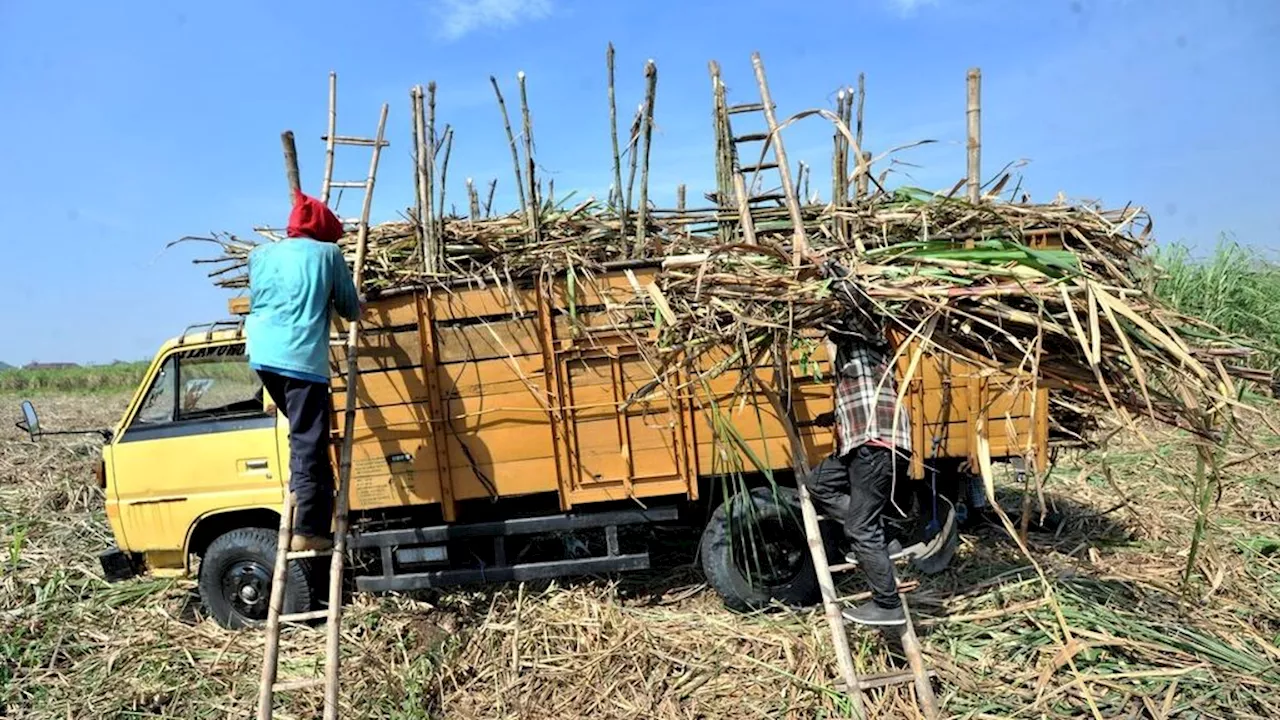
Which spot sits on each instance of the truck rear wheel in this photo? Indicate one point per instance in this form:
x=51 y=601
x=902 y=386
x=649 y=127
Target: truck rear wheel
x=235 y=579
x=754 y=551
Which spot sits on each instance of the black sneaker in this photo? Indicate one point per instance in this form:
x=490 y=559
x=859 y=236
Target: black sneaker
x=869 y=613
x=896 y=553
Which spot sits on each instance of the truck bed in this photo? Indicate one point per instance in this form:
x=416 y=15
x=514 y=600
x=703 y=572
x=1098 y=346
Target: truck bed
x=470 y=392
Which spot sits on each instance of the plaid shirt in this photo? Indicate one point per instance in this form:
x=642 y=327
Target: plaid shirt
x=866 y=399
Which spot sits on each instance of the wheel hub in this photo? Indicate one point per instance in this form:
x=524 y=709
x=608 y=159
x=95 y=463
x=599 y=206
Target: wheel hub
x=247 y=585
x=769 y=551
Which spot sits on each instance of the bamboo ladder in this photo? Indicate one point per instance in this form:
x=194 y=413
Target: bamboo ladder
x=337 y=564
x=731 y=177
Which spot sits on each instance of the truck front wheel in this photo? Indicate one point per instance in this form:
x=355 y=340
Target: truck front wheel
x=754 y=551
x=235 y=579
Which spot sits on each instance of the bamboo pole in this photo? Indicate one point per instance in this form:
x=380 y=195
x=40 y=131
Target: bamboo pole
x=813 y=537
x=974 y=114
x=642 y=213
x=535 y=218
x=329 y=138
x=915 y=658
x=799 y=246
x=511 y=140
x=333 y=651
x=271 y=649
x=291 y=164
x=616 y=200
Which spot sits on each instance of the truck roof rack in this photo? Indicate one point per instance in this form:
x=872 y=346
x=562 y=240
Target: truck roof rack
x=208 y=329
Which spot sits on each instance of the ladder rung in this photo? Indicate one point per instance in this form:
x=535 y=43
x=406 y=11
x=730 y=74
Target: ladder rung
x=353 y=140
x=297 y=685
x=350 y=221
x=757 y=168
x=745 y=108
x=752 y=137
x=304 y=616
x=765 y=198
x=879 y=680
x=304 y=554
x=842 y=567
x=347 y=184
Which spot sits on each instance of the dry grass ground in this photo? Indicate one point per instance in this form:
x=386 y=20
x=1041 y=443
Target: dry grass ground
x=658 y=645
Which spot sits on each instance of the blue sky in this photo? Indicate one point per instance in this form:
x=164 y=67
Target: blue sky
x=127 y=125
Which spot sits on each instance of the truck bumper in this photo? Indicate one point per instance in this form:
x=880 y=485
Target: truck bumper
x=119 y=565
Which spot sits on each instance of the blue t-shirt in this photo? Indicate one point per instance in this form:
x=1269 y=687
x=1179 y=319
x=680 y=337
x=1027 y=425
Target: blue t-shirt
x=292 y=285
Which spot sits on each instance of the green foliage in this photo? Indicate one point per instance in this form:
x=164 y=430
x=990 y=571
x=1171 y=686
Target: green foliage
x=1236 y=289
x=93 y=378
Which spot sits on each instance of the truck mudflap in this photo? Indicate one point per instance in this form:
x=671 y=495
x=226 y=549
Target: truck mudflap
x=389 y=541
x=118 y=565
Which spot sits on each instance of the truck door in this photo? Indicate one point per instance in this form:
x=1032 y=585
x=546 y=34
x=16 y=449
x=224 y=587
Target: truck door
x=198 y=442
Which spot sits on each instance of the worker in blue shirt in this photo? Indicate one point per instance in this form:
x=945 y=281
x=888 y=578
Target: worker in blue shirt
x=293 y=284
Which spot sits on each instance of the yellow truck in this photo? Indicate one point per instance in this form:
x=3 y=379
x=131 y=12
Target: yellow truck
x=494 y=442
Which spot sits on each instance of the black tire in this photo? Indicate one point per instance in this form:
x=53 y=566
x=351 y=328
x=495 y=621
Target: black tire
x=783 y=568
x=235 y=579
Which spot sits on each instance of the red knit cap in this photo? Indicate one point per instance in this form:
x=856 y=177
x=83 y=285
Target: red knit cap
x=313 y=219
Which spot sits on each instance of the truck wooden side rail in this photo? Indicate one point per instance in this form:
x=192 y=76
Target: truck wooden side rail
x=467 y=393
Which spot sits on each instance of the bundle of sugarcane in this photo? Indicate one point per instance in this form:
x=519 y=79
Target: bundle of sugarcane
x=1059 y=292
x=504 y=247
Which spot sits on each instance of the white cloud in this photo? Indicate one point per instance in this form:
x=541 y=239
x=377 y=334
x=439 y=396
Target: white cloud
x=909 y=7
x=461 y=17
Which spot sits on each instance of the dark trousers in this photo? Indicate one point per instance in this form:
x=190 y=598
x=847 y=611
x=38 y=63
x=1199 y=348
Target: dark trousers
x=306 y=405
x=855 y=487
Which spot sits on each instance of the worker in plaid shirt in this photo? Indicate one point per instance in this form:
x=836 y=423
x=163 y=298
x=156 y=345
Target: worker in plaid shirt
x=873 y=440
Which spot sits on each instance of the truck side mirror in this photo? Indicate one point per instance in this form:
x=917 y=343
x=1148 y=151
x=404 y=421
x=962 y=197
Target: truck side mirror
x=30 y=420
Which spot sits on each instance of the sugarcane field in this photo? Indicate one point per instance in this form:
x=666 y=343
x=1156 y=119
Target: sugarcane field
x=462 y=390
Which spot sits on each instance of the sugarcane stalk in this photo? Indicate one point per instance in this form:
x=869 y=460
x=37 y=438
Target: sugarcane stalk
x=633 y=148
x=613 y=137
x=511 y=140
x=488 y=202
x=535 y=204
x=444 y=177
x=642 y=213
x=435 y=242
x=416 y=152
x=473 y=201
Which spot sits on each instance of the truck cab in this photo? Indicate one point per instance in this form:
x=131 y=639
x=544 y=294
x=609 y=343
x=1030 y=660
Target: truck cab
x=197 y=454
